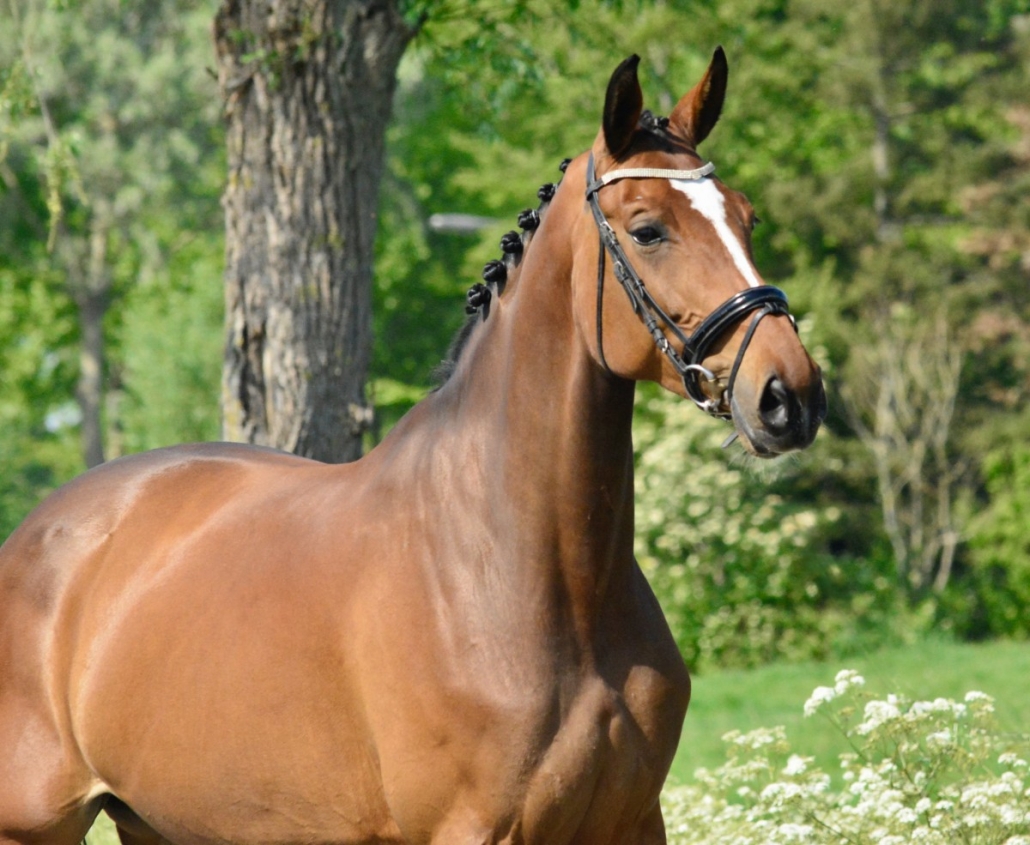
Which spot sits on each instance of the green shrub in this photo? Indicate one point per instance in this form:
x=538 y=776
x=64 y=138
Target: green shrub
x=1000 y=545
x=741 y=565
x=934 y=772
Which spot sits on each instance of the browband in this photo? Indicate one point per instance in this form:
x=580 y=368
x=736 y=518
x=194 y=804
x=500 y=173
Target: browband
x=651 y=173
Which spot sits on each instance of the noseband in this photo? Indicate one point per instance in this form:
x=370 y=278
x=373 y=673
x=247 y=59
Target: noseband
x=762 y=300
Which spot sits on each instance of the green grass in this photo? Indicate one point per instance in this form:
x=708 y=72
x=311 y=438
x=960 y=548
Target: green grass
x=102 y=832
x=775 y=695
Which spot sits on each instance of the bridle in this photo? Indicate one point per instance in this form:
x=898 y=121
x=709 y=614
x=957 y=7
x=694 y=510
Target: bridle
x=762 y=300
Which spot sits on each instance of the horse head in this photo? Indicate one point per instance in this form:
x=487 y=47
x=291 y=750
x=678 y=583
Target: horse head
x=672 y=294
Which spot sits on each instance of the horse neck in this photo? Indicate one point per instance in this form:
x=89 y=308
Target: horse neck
x=555 y=427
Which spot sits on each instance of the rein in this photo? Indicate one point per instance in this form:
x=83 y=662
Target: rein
x=763 y=300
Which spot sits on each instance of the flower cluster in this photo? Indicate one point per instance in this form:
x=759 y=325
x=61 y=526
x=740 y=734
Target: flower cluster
x=846 y=680
x=930 y=772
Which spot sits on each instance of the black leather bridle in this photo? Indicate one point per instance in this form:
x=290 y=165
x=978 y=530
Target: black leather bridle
x=761 y=300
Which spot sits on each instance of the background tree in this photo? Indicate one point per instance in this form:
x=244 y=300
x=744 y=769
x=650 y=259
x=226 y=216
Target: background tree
x=109 y=124
x=109 y=180
x=308 y=88
x=903 y=412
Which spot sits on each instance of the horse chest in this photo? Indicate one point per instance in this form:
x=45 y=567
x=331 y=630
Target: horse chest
x=606 y=764
x=564 y=754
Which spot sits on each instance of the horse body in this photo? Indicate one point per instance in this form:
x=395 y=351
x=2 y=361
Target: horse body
x=266 y=673
x=448 y=641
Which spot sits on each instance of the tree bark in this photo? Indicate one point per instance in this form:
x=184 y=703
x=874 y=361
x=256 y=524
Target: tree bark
x=88 y=282
x=308 y=86
x=89 y=391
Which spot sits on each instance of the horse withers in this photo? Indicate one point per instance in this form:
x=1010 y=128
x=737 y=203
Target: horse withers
x=448 y=641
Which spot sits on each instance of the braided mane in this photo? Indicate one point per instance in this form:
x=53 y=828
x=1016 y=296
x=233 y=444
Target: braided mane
x=654 y=135
x=495 y=277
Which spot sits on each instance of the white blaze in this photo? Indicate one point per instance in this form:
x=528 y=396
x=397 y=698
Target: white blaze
x=707 y=199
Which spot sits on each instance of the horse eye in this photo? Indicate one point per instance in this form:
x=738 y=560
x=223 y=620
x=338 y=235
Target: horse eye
x=647 y=235
x=755 y=220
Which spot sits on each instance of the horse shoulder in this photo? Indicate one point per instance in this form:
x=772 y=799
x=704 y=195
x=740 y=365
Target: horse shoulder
x=86 y=558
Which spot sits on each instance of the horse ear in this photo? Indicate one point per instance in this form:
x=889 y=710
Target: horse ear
x=623 y=103
x=698 y=112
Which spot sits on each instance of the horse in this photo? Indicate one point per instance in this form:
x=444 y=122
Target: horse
x=447 y=641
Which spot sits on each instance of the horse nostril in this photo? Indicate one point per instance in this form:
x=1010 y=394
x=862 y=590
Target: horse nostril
x=776 y=405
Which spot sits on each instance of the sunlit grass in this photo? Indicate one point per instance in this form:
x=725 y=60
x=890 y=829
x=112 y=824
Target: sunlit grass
x=102 y=832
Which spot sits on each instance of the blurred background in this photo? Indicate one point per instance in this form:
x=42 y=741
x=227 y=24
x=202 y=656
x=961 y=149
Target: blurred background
x=885 y=146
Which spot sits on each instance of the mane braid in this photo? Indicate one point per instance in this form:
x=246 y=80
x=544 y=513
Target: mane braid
x=513 y=249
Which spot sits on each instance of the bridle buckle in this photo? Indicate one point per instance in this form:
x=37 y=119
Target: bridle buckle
x=709 y=404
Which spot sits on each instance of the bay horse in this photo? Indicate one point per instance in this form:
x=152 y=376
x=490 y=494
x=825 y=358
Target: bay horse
x=447 y=641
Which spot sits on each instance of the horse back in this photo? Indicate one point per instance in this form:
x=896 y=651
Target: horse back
x=78 y=527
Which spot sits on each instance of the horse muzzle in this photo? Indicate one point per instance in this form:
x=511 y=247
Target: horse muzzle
x=781 y=417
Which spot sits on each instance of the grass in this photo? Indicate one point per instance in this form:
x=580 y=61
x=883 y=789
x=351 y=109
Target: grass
x=102 y=832
x=775 y=695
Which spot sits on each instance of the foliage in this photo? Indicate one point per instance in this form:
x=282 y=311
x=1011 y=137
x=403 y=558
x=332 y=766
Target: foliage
x=743 y=568
x=109 y=180
x=37 y=376
x=170 y=350
x=1001 y=544
x=936 y=772
x=893 y=120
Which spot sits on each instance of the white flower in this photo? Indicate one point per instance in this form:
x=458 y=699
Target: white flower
x=792 y=832
x=938 y=705
x=883 y=798
x=1011 y=816
x=777 y=793
x=878 y=713
x=980 y=701
x=906 y=815
x=975 y=695
x=757 y=739
x=940 y=739
x=846 y=679
x=796 y=765
x=819 y=697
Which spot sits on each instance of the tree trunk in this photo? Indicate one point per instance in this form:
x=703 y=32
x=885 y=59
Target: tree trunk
x=89 y=286
x=308 y=86
x=89 y=392
x=905 y=418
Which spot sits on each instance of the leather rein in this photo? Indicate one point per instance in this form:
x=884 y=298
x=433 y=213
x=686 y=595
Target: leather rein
x=762 y=301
